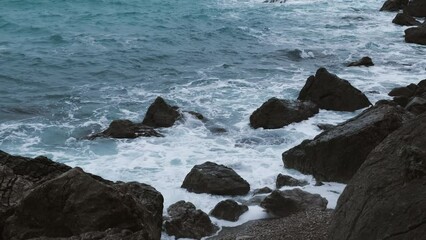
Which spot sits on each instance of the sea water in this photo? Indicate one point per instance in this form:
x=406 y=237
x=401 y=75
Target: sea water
x=68 y=68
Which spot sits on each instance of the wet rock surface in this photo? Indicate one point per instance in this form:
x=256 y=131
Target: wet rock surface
x=412 y=97
x=215 y=179
x=161 y=114
x=285 y=203
x=332 y=93
x=336 y=154
x=188 y=222
x=416 y=35
x=385 y=199
x=394 y=5
x=127 y=129
x=277 y=113
x=403 y=19
x=228 y=210
x=83 y=206
x=365 y=61
x=284 y=180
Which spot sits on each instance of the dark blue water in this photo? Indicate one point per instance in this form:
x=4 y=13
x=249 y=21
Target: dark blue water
x=68 y=68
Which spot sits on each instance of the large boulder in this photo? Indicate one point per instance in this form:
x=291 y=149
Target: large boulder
x=19 y=175
x=336 y=154
x=161 y=114
x=416 y=8
x=215 y=179
x=284 y=203
x=188 y=222
x=416 y=35
x=285 y=180
x=365 y=61
x=127 y=129
x=386 y=197
x=394 y=5
x=403 y=19
x=277 y=113
x=228 y=210
x=76 y=203
x=332 y=93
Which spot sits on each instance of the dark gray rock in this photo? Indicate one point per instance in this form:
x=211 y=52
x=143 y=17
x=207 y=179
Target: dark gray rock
x=324 y=126
x=262 y=190
x=228 y=210
x=416 y=35
x=332 y=93
x=215 y=179
x=394 y=5
x=75 y=203
x=285 y=203
x=284 y=180
x=365 y=61
x=386 y=197
x=127 y=129
x=403 y=19
x=336 y=154
x=161 y=114
x=416 y=8
x=417 y=105
x=277 y=113
x=188 y=222
x=412 y=97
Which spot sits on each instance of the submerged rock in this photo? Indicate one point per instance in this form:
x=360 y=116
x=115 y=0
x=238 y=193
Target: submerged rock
x=75 y=203
x=277 y=113
x=127 y=129
x=285 y=203
x=365 y=61
x=284 y=180
x=336 y=154
x=416 y=35
x=188 y=222
x=228 y=210
x=403 y=19
x=386 y=197
x=161 y=114
x=215 y=179
x=394 y=5
x=332 y=93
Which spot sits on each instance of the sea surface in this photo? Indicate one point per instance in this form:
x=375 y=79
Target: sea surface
x=68 y=68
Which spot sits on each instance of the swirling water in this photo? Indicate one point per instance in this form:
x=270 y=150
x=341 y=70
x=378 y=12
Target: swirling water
x=68 y=68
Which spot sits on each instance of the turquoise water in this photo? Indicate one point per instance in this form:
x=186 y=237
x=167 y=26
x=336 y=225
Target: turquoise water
x=68 y=68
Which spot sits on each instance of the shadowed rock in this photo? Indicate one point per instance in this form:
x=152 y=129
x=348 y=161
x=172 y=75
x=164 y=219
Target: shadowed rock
x=161 y=114
x=394 y=5
x=76 y=203
x=403 y=19
x=188 y=222
x=277 y=113
x=228 y=210
x=332 y=93
x=284 y=180
x=336 y=154
x=127 y=129
x=386 y=197
x=215 y=179
x=416 y=8
x=416 y=35
x=365 y=61
x=262 y=190
x=412 y=97
x=285 y=203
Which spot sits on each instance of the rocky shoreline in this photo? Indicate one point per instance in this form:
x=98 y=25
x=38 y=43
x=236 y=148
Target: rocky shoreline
x=380 y=154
